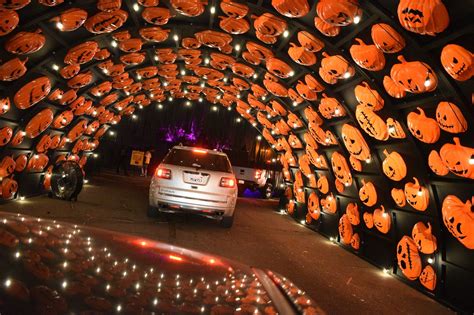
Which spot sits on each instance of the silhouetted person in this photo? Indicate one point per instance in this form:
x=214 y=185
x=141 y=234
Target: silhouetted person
x=123 y=161
x=146 y=163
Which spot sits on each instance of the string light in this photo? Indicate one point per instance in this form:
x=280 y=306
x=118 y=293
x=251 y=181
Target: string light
x=213 y=10
x=286 y=33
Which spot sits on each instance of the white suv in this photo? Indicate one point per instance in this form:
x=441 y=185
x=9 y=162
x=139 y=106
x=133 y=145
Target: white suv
x=194 y=180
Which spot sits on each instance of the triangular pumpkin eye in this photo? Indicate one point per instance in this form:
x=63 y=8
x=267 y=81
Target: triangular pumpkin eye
x=455 y=60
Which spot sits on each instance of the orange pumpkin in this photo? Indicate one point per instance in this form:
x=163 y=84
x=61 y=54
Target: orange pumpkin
x=341 y=169
x=81 y=53
x=55 y=140
x=32 y=92
x=71 y=19
x=368 y=220
x=39 y=123
x=155 y=34
x=189 y=7
x=334 y=68
x=291 y=8
x=459 y=159
x=371 y=123
x=8 y=21
x=424 y=238
x=436 y=164
x=301 y=56
x=394 y=166
x=148 y=3
x=20 y=162
x=101 y=89
x=44 y=144
x=7 y=166
x=393 y=89
x=323 y=184
x=459 y=219
x=339 y=12
x=355 y=142
x=330 y=107
x=80 y=80
x=234 y=9
x=258 y=51
x=414 y=76
x=12 y=69
x=398 y=196
x=458 y=62
x=313 y=84
x=213 y=39
x=450 y=118
x=367 y=96
x=355 y=163
x=37 y=162
x=423 y=128
x=425 y=17
x=9 y=188
x=109 y=5
x=279 y=68
x=352 y=212
x=69 y=71
x=395 y=129
x=313 y=206
x=368 y=57
x=242 y=70
x=329 y=204
x=312 y=116
x=305 y=92
x=269 y=24
x=298 y=187
x=382 y=220
x=428 y=278
x=387 y=39
x=4 y=105
x=345 y=229
x=234 y=26
x=25 y=42
x=408 y=258
x=355 y=241
x=310 y=42
x=106 y=22
x=275 y=88
x=416 y=195
x=368 y=193
x=326 y=28
x=6 y=134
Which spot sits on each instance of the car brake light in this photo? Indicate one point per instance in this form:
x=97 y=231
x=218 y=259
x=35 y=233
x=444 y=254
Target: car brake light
x=163 y=173
x=258 y=173
x=200 y=151
x=228 y=182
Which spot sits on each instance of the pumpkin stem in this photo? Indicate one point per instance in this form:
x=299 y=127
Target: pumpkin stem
x=417 y=183
x=360 y=41
x=386 y=153
x=363 y=182
x=422 y=112
x=382 y=208
x=365 y=84
x=401 y=59
x=429 y=227
x=324 y=95
x=325 y=54
x=457 y=141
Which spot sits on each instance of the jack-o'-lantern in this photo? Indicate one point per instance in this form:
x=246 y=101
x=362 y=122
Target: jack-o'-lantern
x=154 y=34
x=382 y=220
x=44 y=144
x=329 y=204
x=109 y=5
x=368 y=57
x=242 y=70
x=459 y=159
x=341 y=168
x=312 y=116
x=367 y=96
x=295 y=97
x=106 y=22
x=416 y=195
x=47 y=178
x=310 y=140
x=408 y=258
x=102 y=54
x=81 y=53
x=275 y=88
x=9 y=188
x=428 y=278
x=368 y=219
x=77 y=130
x=355 y=142
x=386 y=38
x=394 y=166
x=326 y=28
x=295 y=143
x=334 y=68
x=450 y=118
x=291 y=8
x=213 y=39
x=4 y=105
x=424 y=238
x=6 y=134
x=14 y=4
x=323 y=184
x=20 y=163
x=279 y=68
x=69 y=71
x=188 y=7
x=436 y=164
x=24 y=43
x=339 y=186
x=393 y=89
x=318 y=134
x=190 y=43
x=234 y=9
x=458 y=218
x=352 y=212
x=368 y=193
x=258 y=51
x=234 y=26
x=355 y=163
x=310 y=42
x=422 y=127
x=330 y=107
x=80 y=80
x=39 y=123
x=148 y=3
x=268 y=24
x=101 y=89
x=395 y=129
x=7 y=166
x=8 y=21
x=298 y=187
x=71 y=19
x=345 y=229
x=339 y=12
x=304 y=165
x=313 y=206
x=12 y=69
x=294 y=121
x=458 y=62
x=250 y=58
x=37 y=162
x=278 y=108
x=425 y=17
x=398 y=197
x=414 y=76
x=55 y=140
x=355 y=241
x=130 y=45
x=301 y=56
x=32 y=92
x=371 y=123
x=290 y=207
x=313 y=84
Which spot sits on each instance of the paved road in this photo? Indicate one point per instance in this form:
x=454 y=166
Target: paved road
x=339 y=281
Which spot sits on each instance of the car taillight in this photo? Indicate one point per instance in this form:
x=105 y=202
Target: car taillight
x=258 y=173
x=228 y=182
x=163 y=173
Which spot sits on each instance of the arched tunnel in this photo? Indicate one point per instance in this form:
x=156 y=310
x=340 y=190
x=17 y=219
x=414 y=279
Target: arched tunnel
x=360 y=112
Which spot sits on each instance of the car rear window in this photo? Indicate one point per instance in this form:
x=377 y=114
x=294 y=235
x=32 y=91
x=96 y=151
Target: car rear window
x=203 y=161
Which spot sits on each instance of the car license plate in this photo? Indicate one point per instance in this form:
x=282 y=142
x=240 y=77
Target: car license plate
x=241 y=181
x=196 y=179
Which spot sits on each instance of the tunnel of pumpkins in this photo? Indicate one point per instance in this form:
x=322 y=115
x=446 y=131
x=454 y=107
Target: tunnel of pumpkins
x=368 y=105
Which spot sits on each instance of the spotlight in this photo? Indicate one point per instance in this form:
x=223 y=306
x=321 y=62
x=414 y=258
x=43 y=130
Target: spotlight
x=206 y=61
x=237 y=47
x=259 y=138
x=347 y=75
x=255 y=76
x=427 y=82
x=170 y=99
x=188 y=103
x=134 y=116
x=213 y=10
x=183 y=72
x=214 y=108
x=238 y=119
x=357 y=19
x=113 y=43
x=55 y=67
x=286 y=33
x=136 y=7
x=59 y=25
x=200 y=100
x=160 y=106
x=175 y=37
x=229 y=108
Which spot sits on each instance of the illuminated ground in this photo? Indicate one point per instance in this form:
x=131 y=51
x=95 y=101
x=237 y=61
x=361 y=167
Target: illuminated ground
x=340 y=282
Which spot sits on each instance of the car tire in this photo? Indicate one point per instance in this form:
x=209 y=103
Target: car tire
x=227 y=221
x=152 y=212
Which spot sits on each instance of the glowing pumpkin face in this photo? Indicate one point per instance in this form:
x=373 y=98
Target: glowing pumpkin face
x=395 y=129
x=367 y=96
x=368 y=220
x=291 y=8
x=338 y=12
x=368 y=194
x=32 y=93
x=371 y=123
x=9 y=188
x=39 y=123
x=368 y=57
x=387 y=39
x=382 y=220
x=428 y=278
x=423 y=237
x=334 y=68
x=301 y=56
x=355 y=241
x=355 y=163
x=310 y=42
x=422 y=127
x=329 y=204
x=414 y=77
x=423 y=17
x=408 y=258
x=459 y=159
x=8 y=21
x=458 y=218
x=25 y=42
x=436 y=164
x=458 y=62
x=7 y=166
x=323 y=184
x=417 y=196
x=355 y=142
x=398 y=196
x=345 y=229
x=20 y=162
x=330 y=107
x=12 y=69
x=81 y=53
x=313 y=206
x=352 y=212
x=71 y=19
x=394 y=166
x=106 y=22
x=341 y=168
x=450 y=118
x=326 y=28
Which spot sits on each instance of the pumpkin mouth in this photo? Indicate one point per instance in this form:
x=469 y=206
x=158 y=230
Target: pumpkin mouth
x=461 y=70
x=365 y=200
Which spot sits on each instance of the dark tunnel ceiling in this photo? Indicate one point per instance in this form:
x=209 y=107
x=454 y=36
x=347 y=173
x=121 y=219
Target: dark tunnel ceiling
x=307 y=98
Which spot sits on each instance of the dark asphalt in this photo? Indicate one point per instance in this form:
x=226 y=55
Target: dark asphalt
x=339 y=281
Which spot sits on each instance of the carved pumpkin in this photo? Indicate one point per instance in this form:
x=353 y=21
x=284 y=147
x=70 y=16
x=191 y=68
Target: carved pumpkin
x=130 y=45
x=234 y=9
x=367 y=96
x=32 y=93
x=371 y=123
x=213 y=39
x=323 y=184
x=341 y=168
x=7 y=166
x=37 y=162
x=23 y=43
x=326 y=28
x=291 y=8
x=4 y=105
x=295 y=97
x=80 y=80
x=312 y=116
x=188 y=7
x=408 y=258
x=393 y=89
x=367 y=56
x=352 y=212
x=414 y=76
x=329 y=204
x=69 y=71
x=425 y=17
x=423 y=237
x=12 y=69
x=387 y=39
x=334 y=68
x=355 y=241
x=306 y=92
x=6 y=134
x=423 y=128
x=71 y=19
x=330 y=107
x=55 y=140
x=269 y=24
x=310 y=42
x=155 y=34
x=298 y=187
x=436 y=164
x=428 y=278
x=81 y=53
x=301 y=56
x=20 y=162
x=44 y=144
x=258 y=51
x=398 y=197
x=458 y=62
x=459 y=159
x=368 y=220
x=109 y=5
x=459 y=219
x=313 y=206
x=279 y=68
x=106 y=22
x=450 y=118
x=368 y=194
x=345 y=229
x=9 y=188
x=382 y=220
x=394 y=166
x=395 y=129
x=355 y=142
x=313 y=84
x=355 y=163
x=8 y=21
x=39 y=123
x=338 y=12
x=417 y=196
